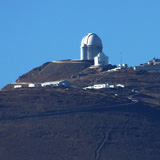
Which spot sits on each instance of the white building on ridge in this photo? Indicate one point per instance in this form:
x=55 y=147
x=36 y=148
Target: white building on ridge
x=100 y=59
x=91 y=49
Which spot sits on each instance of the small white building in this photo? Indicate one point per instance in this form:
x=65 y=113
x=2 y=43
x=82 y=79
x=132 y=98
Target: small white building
x=153 y=65
x=89 y=87
x=18 y=86
x=34 y=85
x=100 y=59
x=147 y=67
x=154 y=61
x=56 y=84
x=112 y=86
x=120 y=85
x=99 y=86
x=122 y=66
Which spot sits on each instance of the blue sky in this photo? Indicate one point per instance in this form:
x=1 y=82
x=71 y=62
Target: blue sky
x=33 y=32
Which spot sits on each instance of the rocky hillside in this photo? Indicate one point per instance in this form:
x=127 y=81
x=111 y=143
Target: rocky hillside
x=63 y=124
x=72 y=123
x=53 y=71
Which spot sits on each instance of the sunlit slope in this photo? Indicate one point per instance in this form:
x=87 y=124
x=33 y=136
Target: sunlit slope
x=52 y=71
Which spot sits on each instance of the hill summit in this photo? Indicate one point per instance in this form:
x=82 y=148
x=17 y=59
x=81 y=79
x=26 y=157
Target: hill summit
x=57 y=70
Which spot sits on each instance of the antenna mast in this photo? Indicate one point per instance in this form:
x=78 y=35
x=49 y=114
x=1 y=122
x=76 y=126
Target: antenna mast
x=121 y=58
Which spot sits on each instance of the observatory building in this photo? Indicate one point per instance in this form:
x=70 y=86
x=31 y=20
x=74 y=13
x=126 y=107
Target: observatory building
x=91 y=49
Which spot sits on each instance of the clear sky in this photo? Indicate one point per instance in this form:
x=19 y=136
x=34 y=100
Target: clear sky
x=33 y=32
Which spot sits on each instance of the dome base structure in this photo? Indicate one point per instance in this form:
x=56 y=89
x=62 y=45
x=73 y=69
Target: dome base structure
x=101 y=59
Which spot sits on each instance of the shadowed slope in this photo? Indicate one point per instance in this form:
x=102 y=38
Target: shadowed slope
x=120 y=132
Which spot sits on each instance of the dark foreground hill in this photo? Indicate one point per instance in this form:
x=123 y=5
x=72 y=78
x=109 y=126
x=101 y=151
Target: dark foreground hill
x=77 y=124
x=60 y=124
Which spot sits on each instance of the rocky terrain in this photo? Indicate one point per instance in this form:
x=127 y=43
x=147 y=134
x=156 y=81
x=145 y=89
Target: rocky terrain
x=52 y=71
x=76 y=124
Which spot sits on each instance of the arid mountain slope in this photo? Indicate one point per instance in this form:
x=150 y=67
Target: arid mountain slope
x=76 y=124
x=53 y=71
x=73 y=124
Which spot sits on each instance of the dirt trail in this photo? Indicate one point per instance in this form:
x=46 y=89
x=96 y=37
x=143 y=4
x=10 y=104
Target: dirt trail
x=97 y=152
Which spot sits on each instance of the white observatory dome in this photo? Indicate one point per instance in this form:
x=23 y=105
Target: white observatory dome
x=91 y=45
x=91 y=49
x=91 y=39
